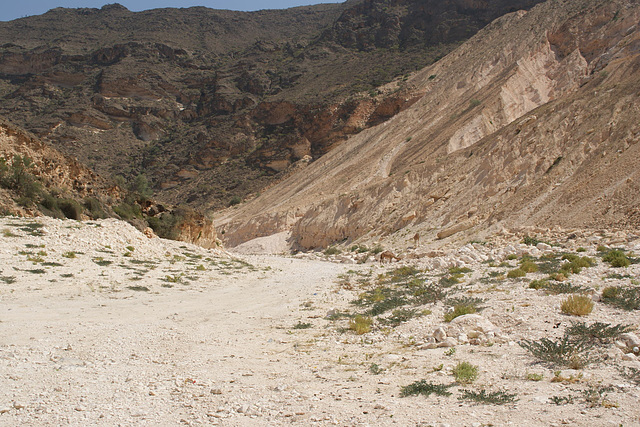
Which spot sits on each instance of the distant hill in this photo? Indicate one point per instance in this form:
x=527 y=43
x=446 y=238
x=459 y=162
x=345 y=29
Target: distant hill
x=215 y=106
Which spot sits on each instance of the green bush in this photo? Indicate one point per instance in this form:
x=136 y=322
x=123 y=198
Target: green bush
x=332 y=250
x=128 y=210
x=93 y=205
x=424 y=388
x=465 y=373
x=166 y=225
x=235 y=200
x=516 y=273
x=18 y=177
x=616 y=258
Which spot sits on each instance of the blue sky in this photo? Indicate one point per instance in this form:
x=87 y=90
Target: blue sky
x=12 y=9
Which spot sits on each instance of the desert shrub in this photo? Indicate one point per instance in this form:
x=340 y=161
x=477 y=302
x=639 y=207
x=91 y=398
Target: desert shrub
x=70 y=208
x=424 y=388
x=235 y=200
x=387 y=304
x=529 y=266
x=495 y=398
x=332 y=250
x=534 y=377
x=360 y=324
x=616 y=258
x=400 y=316
x=566 y=352
x=18 y=177
x=632 y=374
x=625 y=298
x=141 y=187
x=166 y=225
x=403 y=273
x=448 y=281
x=602 y=333
x=94 y=207
x=512 y=274
x=556 y=288
x=465 y=373
x=538 y=284
x=531 y=241
x=128 y=210
x=301 y=325
x=376 y=250
x=459 y=270
x=577 y=305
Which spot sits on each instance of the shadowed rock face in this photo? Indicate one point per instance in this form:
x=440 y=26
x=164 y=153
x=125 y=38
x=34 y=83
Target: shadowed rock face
x=531 y=122
x=387 y=24
x=218 y=117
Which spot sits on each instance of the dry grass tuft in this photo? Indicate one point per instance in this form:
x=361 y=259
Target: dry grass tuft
x=577 y=305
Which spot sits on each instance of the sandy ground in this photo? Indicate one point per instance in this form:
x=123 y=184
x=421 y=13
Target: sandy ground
x=170 y=334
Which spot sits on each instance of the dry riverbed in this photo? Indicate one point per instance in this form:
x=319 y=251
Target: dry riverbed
x=100 y=325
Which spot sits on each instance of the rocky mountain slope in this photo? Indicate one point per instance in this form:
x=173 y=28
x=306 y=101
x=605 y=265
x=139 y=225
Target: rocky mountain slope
x=37 y=179
x=213 y=106
x=532 y=122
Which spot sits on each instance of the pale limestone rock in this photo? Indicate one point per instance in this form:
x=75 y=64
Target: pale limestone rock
x=474 y=322
x=543 y=246
x=439 y=334
x=448 y=342
x=630 y=339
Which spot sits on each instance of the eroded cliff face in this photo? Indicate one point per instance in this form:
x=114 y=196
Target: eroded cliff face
x=531 y=122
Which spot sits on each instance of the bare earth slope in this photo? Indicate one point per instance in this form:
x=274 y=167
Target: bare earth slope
x=531 y=122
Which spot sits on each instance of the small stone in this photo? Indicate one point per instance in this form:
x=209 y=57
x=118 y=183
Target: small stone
x=630 y=339
x=543 y=246
x=629 y=357
x=18 y=405
x=428 y=346
x=4 y=410
x=448 y=342
x=216 y=391
x=439 y=334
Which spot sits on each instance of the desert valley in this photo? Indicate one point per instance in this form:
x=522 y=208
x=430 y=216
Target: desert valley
x=369 y=213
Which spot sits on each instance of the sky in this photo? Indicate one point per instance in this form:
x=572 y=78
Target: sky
x=13 y=9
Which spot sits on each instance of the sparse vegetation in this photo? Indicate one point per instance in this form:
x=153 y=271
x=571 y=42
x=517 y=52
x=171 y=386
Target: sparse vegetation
x=465 y=373
x=577 y=305
x=460 y=310
x=566 y=352
x=8 y=279
x=361 y=324
x=616 y=258
x=516 y=273
x=622 y=297
x=102 y=262
x=494 y=398
x=332 y=250
x=603 y=333
x=425 y=388
x=301 y=325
